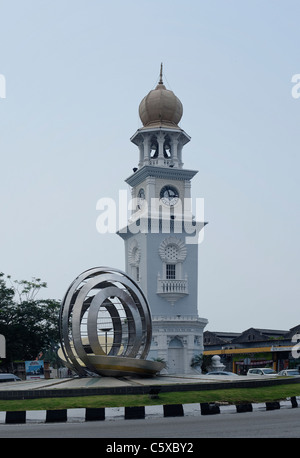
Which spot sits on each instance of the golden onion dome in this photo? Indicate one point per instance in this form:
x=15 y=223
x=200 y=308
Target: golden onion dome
x=161 y=107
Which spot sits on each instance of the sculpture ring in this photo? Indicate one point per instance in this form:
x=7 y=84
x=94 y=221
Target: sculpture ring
x=105 y=325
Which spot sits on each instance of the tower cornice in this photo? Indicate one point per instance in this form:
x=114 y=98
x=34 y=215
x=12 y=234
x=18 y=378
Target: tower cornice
x=158 y=128
x=167 y=173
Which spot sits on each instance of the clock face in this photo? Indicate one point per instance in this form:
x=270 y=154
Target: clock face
x=169 y=195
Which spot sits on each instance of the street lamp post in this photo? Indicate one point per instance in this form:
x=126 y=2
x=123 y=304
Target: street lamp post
x=105 y=330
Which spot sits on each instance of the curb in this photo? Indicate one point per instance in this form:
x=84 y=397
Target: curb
x=133 y=413
x=152 y=390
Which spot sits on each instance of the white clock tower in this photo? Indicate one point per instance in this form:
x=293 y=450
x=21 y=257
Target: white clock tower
x=161 y=247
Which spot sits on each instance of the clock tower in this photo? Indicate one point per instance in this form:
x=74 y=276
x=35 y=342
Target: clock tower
x=161 y=237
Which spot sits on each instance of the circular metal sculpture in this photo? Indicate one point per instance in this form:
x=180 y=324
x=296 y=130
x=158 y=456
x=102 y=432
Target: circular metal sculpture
x=105 y=326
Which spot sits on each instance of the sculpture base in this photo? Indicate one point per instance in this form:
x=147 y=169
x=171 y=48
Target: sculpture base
x=114 y=366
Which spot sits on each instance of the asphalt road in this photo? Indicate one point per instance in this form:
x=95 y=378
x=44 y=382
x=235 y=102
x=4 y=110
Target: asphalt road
x=282 y=423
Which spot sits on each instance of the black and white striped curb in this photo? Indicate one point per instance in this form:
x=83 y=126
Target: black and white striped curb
x=142 y=412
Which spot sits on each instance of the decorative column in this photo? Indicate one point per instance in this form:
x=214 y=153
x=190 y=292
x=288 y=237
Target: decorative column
x=174 y=151
x=146 y=144
x=160 y=139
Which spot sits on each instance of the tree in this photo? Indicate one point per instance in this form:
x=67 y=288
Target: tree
x=30 y=325
x=6 y=296
x=200 y=362
x=197 y=362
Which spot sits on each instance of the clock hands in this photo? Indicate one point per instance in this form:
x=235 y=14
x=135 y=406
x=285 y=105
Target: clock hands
x=169 y=194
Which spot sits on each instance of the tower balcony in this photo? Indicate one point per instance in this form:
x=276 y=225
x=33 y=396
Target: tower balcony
x=161 y=162
x=172 y=290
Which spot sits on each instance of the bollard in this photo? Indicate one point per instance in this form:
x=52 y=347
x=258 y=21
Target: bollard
x=154 y=392
x=294 y=402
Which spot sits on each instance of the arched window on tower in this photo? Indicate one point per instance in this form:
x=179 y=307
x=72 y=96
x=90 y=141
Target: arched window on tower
x=167 y=148
x=134 y=255
x=153 y=148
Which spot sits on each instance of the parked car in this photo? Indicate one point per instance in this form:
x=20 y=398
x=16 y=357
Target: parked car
x=261 y=371
x=4 y=377
x=289 y=372
x=221 y=373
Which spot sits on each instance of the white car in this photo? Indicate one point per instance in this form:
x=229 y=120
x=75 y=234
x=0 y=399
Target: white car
x=262 y=371
x=289 y=372
x=4 y=377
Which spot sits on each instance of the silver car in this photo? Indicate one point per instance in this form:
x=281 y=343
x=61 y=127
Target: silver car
x=261 y=371
x=289 y=372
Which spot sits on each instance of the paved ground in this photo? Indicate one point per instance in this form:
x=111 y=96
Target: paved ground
x=104 y=382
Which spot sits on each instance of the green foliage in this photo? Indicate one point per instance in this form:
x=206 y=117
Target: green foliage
x=29 y=324
x=229 y=396
x=201 y=361
x=161 y=360
x=196 y=361
x=6 y=294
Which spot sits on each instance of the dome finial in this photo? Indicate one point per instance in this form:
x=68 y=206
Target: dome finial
x=161 y=74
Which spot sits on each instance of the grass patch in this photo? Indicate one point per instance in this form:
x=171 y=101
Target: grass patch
x=230 y=396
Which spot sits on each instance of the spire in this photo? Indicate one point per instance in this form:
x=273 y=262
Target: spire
x=161 y=83
x=161 y=74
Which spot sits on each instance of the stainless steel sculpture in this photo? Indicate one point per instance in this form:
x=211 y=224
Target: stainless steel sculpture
x=105 y=326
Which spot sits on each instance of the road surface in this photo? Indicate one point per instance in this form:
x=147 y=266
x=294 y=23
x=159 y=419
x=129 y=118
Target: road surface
x=282 y=423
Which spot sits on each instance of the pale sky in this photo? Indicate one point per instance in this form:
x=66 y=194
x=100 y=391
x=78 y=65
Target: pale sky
x=75 y=74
